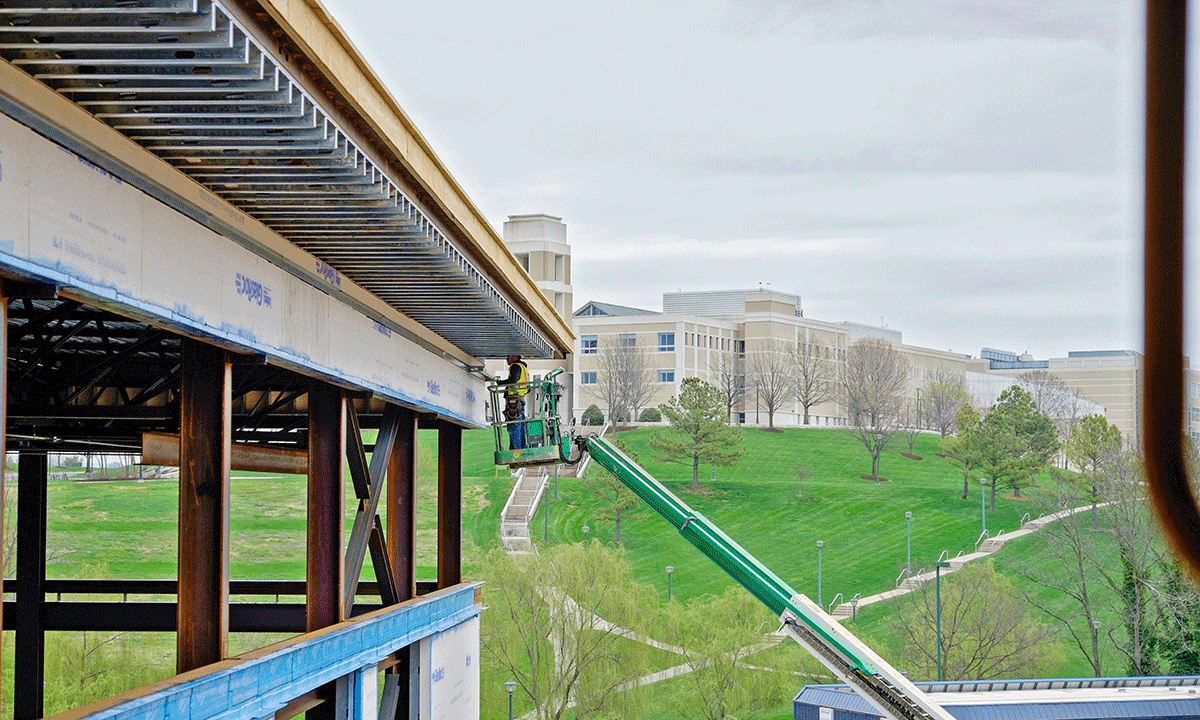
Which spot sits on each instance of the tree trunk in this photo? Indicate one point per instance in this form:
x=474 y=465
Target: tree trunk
x=875 y=467
x=695 y=472
x=992 y=504
x=805 y=414
x=965 y=486
x=618 y=514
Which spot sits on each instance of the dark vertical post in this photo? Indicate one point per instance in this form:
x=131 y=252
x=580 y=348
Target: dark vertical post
x=401 y=537
x=1164 y=414
x=324 y=566
x=204 y=437
x=3 y=418
x=326 y=450
x=449 y=504
x=29 y=668
x=402 y=505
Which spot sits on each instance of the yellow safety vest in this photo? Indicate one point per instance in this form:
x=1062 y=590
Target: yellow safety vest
x=522 y=385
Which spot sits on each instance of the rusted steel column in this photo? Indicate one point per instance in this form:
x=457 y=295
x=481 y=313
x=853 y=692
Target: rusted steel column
x=204 y=432
x=326 y=453
x=402 y=506
x=401 y=538
x=29 y=668
x=449 y=504
x=1163 y=386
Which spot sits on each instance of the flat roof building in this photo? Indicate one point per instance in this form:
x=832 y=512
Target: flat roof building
x=1061 y=699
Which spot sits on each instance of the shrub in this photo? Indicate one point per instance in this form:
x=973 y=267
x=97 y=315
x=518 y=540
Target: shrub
x=592 y=416
x=651 y=415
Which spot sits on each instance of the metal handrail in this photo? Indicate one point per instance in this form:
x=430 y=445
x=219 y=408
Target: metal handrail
x=1024 y=519
x=832 y=603
x=982 y=536
x=900 y=577
x=942 y=557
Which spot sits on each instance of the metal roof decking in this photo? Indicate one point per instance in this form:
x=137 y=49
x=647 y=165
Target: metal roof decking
x=188 y=82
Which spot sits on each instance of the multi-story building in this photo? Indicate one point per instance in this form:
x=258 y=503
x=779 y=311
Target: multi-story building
x=709 y=334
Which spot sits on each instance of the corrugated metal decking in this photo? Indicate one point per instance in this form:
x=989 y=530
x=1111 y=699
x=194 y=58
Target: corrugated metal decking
x=185 y=80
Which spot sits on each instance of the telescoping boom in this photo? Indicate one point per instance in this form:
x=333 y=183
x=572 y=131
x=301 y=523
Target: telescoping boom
x=852 y=661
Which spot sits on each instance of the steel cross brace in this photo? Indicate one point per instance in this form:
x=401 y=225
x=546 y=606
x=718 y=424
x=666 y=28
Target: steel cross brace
x=368 y=487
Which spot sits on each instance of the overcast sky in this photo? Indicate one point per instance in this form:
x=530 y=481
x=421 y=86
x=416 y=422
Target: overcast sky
x=967 y=173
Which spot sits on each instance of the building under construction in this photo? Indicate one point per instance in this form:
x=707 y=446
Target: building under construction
x=224 y=246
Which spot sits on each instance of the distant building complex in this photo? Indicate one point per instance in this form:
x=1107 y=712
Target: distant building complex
x=706 y=333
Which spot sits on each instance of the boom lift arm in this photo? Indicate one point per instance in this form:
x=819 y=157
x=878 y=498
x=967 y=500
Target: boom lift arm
x=869 y=675
x=539 y=441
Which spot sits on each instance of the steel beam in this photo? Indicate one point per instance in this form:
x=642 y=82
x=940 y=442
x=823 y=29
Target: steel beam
x=163 y=449
x=205 y=419
x=29 y=673
x=449 y=504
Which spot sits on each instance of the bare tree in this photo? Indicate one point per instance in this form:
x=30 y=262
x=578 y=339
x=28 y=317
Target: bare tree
x=816 y=374
x=1053 y=397
x=944 y=395
x=730 y=379
x=771 y=374
x=625 y=381
x=1066 y=564
x=987 y=632
x=876 y=374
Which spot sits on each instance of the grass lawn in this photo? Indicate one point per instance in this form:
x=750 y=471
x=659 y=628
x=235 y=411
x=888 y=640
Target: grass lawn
x=757 y=503
x=127 y=529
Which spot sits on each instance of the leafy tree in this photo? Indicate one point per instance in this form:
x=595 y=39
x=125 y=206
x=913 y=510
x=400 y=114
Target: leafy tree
x=771 y=374
x=1093 y=443
x=546 y=630
x=699 y=432
x=650 y=415
x=606 y=486
x=1014 y=441
x=717 y=636
x=592 y=416
x=943 y=398
x=876 y=375
x=959 y=450
x=987 y=631
x=816 y=374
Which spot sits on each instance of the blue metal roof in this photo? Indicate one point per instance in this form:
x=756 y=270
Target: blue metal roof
x=1008 y=706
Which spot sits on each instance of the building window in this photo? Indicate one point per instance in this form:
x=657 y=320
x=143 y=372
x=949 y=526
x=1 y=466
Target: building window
x=1194 y=389
x=741 y=418
x=523 y=258
x=627 y=339
x=587 y=377
x=665 y=376
x=1194 y=414
x=741 y=348
x=587 y=344
x=666 y=342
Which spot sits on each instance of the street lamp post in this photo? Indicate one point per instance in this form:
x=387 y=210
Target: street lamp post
x=983 y=505
x=938 y=572
x=820 y=544
x=1096 y=645
x=670 y=569
x=510 y=685
x=545 y=519
x=908 y=536
x=555 y=482
x=585 y=532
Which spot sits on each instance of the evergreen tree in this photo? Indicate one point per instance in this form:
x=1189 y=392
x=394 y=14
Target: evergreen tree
x=699 y=433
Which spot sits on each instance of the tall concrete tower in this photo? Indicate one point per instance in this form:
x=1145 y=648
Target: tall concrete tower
x=540 y=244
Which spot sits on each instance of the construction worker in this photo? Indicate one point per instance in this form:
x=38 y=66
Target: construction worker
x=514 y=400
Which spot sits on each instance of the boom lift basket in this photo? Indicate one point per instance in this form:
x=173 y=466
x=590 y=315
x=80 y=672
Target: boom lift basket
x=545 y=443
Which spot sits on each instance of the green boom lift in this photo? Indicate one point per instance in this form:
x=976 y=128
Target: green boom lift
x=856 y=664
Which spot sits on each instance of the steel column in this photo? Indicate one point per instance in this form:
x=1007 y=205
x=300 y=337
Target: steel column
x=401 y=540
x=324 y=569
x=29 y=668
x=326 y=418
x=449 y=504
x=204 y=434
x=4 y=295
